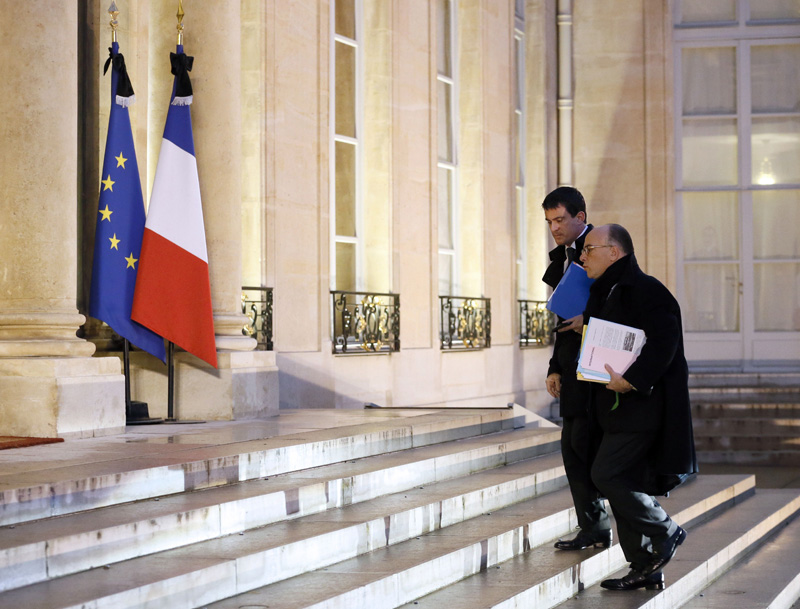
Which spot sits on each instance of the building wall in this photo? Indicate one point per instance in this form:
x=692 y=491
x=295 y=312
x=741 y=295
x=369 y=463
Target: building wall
x=263 y=147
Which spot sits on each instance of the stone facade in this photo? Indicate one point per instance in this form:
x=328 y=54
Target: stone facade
x=261 y=114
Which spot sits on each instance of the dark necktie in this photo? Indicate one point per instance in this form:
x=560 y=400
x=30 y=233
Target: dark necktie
x=570 y=256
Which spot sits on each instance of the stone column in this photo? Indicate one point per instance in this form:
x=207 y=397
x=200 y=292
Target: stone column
x=49 y=384
x=213 y=36
x=245 y=385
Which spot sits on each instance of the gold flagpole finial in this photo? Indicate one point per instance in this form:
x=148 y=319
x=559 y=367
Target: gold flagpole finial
x=113 y=11
x=180 y=21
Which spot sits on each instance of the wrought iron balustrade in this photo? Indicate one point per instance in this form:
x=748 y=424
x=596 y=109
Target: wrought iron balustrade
x=257 y=306
x=365 y=322
x=465 y=323
x=536 y=324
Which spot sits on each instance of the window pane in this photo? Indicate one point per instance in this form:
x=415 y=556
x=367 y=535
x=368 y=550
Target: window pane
x=346 y=18
x=517 y=135
x=346 y=267
x=518 y=74
x=446 y=275
x=443 y=38
x=709 y=153
x=709 y=80
x=712 y=294
x=445 y=121
x=776 y=150
x=703 y=11
x=345 y=90
x=777 y=294
x=764 y=10
x=711 y=227
x=775 y=78
x=773 y=212
x=519 y=9
x=345 y=189
x=445 y=208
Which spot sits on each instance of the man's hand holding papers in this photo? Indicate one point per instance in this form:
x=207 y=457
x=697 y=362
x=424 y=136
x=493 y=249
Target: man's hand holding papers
x=607 y=344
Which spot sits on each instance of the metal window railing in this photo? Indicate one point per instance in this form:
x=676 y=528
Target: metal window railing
x=465 y=322
x=257 y=306
x=536 y=324
x=365 y=322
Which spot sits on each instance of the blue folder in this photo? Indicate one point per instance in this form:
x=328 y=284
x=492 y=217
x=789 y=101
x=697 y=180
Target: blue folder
x=570 y=296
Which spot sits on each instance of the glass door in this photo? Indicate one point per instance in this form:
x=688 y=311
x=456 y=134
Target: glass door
x=738 y=189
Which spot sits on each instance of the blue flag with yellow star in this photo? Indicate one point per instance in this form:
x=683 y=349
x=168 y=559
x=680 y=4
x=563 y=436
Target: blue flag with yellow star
x=120 y=222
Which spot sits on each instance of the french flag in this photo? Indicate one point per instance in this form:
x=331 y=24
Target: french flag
x=173 y=293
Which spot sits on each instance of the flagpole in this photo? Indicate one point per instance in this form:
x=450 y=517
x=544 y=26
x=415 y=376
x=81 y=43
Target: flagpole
x=136 y=412
x=170 y=345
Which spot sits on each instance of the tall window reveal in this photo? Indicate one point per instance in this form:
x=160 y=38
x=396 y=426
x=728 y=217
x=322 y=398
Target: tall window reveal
x=347 y=242
x=448 y=160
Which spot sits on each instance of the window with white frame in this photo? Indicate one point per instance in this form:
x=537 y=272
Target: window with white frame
x=447 y=95
x=738 y=175
x=346 y=148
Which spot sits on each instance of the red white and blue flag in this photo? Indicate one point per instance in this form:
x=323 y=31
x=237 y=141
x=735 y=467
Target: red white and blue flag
x=173 y=293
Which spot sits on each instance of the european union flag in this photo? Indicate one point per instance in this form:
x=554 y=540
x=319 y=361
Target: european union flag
x=120 y=222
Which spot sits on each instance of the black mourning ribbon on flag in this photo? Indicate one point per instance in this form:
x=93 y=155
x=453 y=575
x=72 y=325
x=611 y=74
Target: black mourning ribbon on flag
x=181 y=66
x=124 y=86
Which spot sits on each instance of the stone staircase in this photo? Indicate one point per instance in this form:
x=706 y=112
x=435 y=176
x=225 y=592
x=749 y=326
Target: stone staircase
x=743 y=418
x=454 y=508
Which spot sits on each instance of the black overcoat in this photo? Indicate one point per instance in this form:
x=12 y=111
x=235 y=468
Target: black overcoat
x=574 y=399
x=660 y=374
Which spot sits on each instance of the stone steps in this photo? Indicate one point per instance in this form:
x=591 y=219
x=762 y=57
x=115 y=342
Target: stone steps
x=775 y=458
x=393 y=576
x=744 y=379
x=38 y=550
x=746 y=418
x=194 y=575
x=711 y=549
x=767 y=579
x=165 y=468
x=472 y=499
x=745 y=411
x=748 y=427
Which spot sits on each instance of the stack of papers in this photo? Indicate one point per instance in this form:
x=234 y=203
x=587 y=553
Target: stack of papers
x=571 y=294
x=606 y=342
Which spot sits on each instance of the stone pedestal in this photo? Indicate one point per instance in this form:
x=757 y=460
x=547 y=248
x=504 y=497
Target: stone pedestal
x=66 y=397
x=245 y=386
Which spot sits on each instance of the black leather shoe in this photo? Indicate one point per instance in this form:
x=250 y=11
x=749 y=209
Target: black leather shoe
x=635 y=580
x=665 y=552
x=586 y=540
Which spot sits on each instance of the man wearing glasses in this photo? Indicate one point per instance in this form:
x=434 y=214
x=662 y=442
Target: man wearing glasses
x=565 y=212
x=642 y=415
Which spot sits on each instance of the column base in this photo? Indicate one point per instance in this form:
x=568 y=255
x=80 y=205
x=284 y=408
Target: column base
x=245 y=386
x=61 y=397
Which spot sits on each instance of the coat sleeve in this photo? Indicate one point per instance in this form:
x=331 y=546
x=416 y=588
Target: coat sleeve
x=658 y=316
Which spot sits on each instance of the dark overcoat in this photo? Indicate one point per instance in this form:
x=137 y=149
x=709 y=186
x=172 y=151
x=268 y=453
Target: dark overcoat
x=574 y=398
x=660 y=374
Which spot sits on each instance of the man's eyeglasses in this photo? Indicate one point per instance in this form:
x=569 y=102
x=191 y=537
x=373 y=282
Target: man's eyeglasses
x=587 y=249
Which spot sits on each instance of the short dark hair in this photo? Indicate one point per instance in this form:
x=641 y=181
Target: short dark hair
x=619 y=236
x=571 y=198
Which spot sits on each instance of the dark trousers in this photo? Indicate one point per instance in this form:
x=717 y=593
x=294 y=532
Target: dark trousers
x=577 y=451
x=619 y=470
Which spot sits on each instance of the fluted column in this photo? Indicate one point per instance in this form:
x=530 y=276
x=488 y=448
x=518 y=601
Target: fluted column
x=245 y=384
x=38 y=174
x=49 y=384
x=213 y=36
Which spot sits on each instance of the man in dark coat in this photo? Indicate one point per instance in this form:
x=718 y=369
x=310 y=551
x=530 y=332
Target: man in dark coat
x=643 y=413
x=565 y=212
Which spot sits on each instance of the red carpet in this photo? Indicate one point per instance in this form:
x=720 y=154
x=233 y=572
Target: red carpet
x=21 y=442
